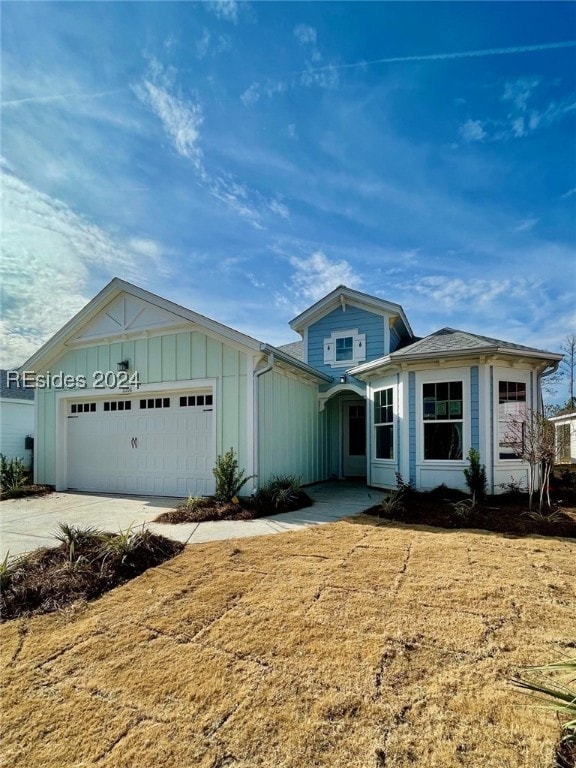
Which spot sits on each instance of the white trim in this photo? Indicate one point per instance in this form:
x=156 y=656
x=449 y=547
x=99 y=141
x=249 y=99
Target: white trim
x=358 y=348
x=323 y=397
x=353 y=298
x=60 y=341
x=7 y=400
x=442 y=376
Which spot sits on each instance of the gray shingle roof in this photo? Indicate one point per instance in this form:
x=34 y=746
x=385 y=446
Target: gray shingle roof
x=452 y=340
x=11 y=391
x=295 y=349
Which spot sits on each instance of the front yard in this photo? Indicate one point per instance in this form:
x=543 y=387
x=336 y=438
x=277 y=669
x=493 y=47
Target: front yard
x=358 y=644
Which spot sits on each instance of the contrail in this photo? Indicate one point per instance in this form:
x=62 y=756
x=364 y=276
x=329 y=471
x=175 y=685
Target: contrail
x=457 y=55
x=42 y=99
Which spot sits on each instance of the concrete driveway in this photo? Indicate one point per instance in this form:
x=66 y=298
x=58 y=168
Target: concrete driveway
x=28 y=523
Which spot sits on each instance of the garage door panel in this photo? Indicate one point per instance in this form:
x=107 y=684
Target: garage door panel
x=155 y=450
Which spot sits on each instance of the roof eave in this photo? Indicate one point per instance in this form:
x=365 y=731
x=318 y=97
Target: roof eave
x=398 y=358
x=288 y=359
x=57 y=343
x=317 y=310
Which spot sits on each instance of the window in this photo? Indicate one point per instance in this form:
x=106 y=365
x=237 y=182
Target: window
x=118 y=405
x=83 y=408
x=443 y=420
x=511 y=405
x=195 y=400
x=344 y=349
x=155 y=402
x=383 y=423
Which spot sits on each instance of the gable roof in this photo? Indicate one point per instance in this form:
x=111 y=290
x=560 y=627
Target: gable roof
x=9 y=391
x=58 y=343
x=294 y=348
x=344 y=294
x=449 y=342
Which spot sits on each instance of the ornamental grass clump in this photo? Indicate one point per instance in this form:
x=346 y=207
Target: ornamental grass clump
x=555 y=686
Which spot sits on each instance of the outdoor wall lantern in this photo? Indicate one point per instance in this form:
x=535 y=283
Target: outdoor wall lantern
x=343 y=379
x=123 y=365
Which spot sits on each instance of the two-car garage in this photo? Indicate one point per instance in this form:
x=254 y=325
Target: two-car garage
x=160 y=444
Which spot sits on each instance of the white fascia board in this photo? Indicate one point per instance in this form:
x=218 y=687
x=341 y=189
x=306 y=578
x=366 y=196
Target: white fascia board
x=354 y=298
x=294 y=363
x=501 y=352
x=57 y=344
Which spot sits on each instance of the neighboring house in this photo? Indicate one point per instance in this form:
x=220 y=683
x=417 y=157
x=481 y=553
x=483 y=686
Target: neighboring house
x=565 y=427
x=359 y=396
x=16 y=419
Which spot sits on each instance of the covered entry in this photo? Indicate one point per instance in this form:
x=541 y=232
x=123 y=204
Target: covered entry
x=345 y=415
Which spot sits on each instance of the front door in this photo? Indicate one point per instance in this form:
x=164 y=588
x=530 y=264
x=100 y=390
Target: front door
x=354 y=438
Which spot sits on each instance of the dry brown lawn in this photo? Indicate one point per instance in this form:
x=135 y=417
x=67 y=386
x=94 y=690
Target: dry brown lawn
x=351 y=644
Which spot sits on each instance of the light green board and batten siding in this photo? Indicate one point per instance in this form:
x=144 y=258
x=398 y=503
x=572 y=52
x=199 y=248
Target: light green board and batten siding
x=157 y=359
x=291 y=436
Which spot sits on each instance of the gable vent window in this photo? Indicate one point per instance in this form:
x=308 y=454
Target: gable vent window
x=195 y=400
x=83 y=408
x=118 y=405
x=155 y=402
x=343 y=349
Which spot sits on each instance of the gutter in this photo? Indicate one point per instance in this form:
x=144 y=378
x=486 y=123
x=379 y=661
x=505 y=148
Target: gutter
x=256 y=430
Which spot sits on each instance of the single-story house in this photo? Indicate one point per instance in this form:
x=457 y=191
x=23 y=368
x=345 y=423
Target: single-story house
x=565 y=429
x=136 y=394
x=16 y=419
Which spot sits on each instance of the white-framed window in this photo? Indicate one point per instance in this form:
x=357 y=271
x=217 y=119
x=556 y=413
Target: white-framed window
x=384 y=423
x=343 y=349
x=511 y=406
x=443 y=420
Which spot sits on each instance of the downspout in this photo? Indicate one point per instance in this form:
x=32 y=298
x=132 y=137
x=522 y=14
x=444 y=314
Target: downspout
x=256 y=433
x=543 y=375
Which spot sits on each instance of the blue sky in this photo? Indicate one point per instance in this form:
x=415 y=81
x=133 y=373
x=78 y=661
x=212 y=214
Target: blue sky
x=243 y=159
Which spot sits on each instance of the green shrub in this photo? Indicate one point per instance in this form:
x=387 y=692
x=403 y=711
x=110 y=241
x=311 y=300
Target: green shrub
x=475 y=476
x=283 y=493
x=13 y=474
x=229 y=479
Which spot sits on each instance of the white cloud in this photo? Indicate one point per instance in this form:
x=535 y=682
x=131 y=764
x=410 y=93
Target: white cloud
x=526 y=225
x=305 y=34
x=291 y=130
x=326 y=77
x=50 y=256
x=211 y=45
x=518 y=92
x=203 y=44
x=570 y=192
x=225 y=10
x=316 y=276
x=475 y=292
x=280 y=209
x=251 y=95
x=472 y=130
x=181 y=119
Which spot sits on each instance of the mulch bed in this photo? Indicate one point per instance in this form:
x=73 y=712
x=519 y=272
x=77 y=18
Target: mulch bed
x=205 y=509
x=50 y=579
x=502 y=514
x=33 y=489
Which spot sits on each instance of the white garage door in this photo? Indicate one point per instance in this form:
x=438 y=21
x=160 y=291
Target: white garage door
x=159 y=446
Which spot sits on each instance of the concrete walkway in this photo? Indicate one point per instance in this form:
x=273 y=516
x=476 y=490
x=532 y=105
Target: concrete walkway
x=28 y=523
